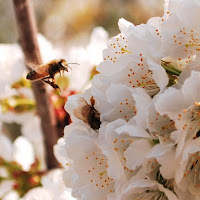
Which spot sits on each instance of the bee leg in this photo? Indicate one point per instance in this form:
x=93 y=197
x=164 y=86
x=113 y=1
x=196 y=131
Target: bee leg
x=54 y=85
x=51 y=75
x=51 y=83
x=61 y=69
x=47 y=81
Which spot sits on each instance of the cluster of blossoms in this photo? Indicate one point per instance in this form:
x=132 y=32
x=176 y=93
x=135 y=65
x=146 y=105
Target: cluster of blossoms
x=135 y=132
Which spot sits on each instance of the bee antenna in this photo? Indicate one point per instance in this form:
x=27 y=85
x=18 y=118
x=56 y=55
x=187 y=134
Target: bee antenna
x=69 y=67
x=74 y=63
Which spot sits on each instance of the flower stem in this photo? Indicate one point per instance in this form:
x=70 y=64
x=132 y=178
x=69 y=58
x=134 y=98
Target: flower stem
x=28 y=41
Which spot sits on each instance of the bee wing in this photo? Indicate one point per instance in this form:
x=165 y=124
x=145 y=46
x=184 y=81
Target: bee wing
x=83 y=110
x=36 y=67
x=41 y=70
x=31 y=65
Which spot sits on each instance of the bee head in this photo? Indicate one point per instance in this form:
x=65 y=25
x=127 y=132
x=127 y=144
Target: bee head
x=31 y=75
x=63 y=64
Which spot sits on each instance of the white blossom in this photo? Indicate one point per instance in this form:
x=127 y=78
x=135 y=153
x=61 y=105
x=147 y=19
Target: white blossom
x=182 y=107
x=38 y=193
x=52 y=188
x=5 y=187
x=87 y=173
x=11 y=67
x=36 y=137
x=147 y=189
x=20 y=151
x=127 y=59
x=11 y=195
x=187 y=172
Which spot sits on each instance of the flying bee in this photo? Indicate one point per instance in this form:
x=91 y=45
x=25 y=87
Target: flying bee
x=88 y=113
x=46 y=72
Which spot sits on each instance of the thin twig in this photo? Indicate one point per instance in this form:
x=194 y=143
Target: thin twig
x=28 y=41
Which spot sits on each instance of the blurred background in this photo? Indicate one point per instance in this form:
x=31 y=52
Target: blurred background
x=68 y=22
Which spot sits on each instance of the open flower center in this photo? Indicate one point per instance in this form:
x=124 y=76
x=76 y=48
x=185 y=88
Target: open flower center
x=190 y=119
x=167 y=183
x=166 y=127
x=97 y=171
x=139 y=75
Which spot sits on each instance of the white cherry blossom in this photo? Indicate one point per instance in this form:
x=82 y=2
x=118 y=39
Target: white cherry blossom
x=180 y=33
x=187 y=172
x=122 y=101
x=128 y=62
x=114 y=144
x=52 y=188
x=20 y=151
x=159 y=126
x=147 y=189
x=182 y=106
x=88 y=176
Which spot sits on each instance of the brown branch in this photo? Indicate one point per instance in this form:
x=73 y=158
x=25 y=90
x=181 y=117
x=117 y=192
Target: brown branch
x=28 y=40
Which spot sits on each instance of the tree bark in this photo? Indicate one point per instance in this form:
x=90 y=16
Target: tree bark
x=28 y=40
